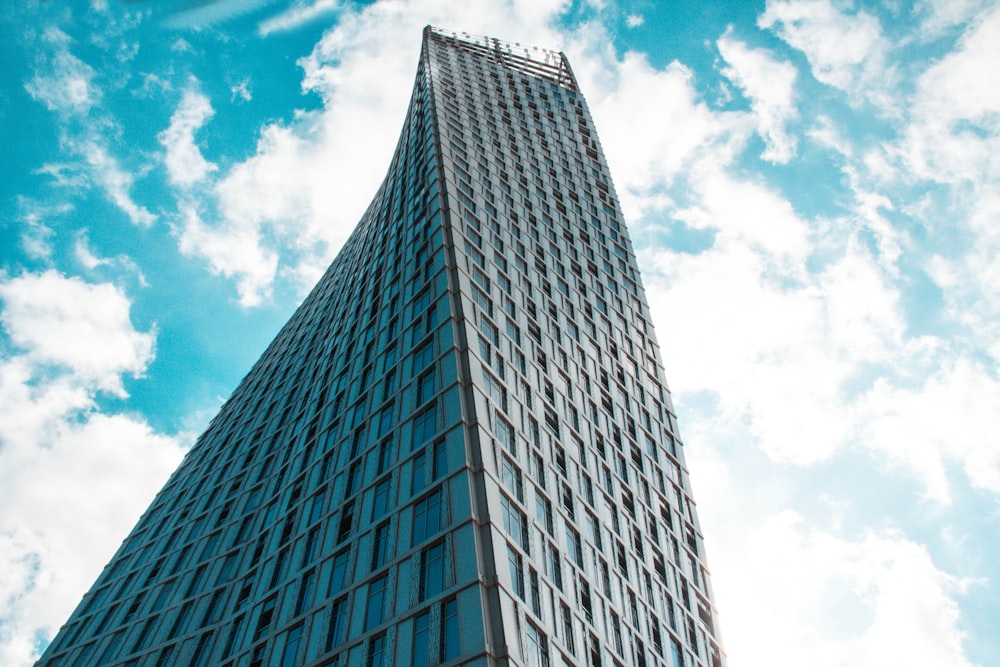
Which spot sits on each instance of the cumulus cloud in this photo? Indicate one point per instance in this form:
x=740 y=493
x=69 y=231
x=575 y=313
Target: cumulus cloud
x=954 y=135
x=769 y=84
x=653 y=125
x=869 y=601
x=232 y=250
x=949 y=149
x=766 y=341
x=75 y=325
x=310 y=179
x=73 y=478
x=937 y=16
x=185 y=163
x=846 y=51
x=747 y=211
x=943 y=420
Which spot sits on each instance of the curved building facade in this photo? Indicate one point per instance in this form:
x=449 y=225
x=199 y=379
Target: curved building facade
x=459 y=450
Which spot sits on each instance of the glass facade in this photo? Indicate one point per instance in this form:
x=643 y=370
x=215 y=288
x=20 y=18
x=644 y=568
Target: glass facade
x=460 y=449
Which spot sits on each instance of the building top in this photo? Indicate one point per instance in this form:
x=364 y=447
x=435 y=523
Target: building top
x=533 y=60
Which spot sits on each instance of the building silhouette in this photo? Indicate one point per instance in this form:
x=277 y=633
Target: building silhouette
x=460 y=449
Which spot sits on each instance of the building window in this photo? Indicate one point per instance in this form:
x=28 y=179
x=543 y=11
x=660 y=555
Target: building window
x=112 y=648
x=426 y=517
x=421 y=640
x=567 y=627
x=338 y=624
x=264 y=618
x=676 y=656
x=536 y=598
x=378 y=651
x=421 y=303
x=425 y=425
x=436 y=459
x=426 y=386
x=497 y=392
x=234 y=634
x=423 y=356
x=386 y=455
x=515 y=522
x=553 y=567
x=346 y=522
x=537 y=647
x=573 y=545
x=316 y=510
x=200 y=655
x=543 y=512
x=338 y=576
x=389 y=387
x=440 y=464
x=374 y=613
x=511 y=476
x=516 y=568
x=505 y=434
x=450 y=646
x=291 y=650
x=312 y=547
x=214 y=608
x=432 y=571
x=385 y=421
x=381 y=501
x=304 y=600
x=381 y=547
x=419 y=478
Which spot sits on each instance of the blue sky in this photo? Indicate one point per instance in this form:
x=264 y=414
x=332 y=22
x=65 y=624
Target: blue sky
x=813 y=190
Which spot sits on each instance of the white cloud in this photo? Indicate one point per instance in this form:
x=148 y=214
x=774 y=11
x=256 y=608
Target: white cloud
x=653 y=126
x=777 y=375
x=73 y=479
x=185 y=163
x=303 y=191
x=747 y=211
x=211 y=12
x=232 y=250
x=846 y=51
x=781 y=346
x=85 y=255
x=241 y=90
x=300 y=13
x=952 y=142
x=769 y=84
x=63 y=82
x=36 y=231
x=634 y=20
x=830 y=601
x=65 y=85
x=944 y=420
x=940 y=15
x=116 y=182
x=75 y=325
x=954 y=134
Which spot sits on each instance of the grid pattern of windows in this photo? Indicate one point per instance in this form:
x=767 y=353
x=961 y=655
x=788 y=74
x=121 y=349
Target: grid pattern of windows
x=479 y=356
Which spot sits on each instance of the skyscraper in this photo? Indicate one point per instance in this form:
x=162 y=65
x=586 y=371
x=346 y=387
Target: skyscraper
x=460 y=449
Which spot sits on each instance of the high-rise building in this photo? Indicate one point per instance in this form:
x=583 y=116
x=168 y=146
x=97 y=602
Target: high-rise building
x=460 y=449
